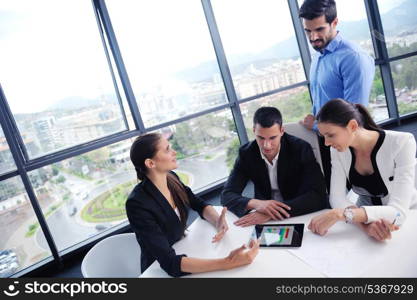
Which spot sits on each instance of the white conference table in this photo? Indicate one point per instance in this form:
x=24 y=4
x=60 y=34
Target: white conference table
x=346 y=251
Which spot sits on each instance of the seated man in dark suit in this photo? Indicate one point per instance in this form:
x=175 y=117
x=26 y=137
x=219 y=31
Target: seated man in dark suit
x=286 y=177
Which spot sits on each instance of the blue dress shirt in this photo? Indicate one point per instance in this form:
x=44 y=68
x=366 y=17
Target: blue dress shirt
x=342 y=70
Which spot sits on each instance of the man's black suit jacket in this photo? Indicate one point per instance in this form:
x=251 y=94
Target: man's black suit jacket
x=157 y=226
x=300 y=179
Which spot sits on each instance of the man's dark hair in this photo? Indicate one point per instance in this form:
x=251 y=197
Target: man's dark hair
x=312 y=9
x=267 y=116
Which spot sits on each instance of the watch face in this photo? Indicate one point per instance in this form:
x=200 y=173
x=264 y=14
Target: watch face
x=348 y=213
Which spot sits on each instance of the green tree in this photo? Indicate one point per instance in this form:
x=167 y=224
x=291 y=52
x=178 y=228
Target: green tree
x=60 y=179
x=232 y=152
x=377 y=86
x=404 y=70
x=55 y=170
x=183 y=139
x=295 y=107
x=231 y=126
x=177 y=147
x=97 y=158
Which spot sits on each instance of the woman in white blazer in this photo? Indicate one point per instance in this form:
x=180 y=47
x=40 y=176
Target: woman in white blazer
x=378 y=164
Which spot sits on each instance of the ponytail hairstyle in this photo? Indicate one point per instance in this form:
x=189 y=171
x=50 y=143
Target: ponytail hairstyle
x=146 y=146
x=340 y=112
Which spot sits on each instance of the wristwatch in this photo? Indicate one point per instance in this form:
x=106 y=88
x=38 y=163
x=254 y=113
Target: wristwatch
x=348 y=214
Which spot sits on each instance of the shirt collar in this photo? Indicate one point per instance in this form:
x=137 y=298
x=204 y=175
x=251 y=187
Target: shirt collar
x=266 y=159
x=333 y=45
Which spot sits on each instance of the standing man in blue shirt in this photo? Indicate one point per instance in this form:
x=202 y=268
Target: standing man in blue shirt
x=339 y=68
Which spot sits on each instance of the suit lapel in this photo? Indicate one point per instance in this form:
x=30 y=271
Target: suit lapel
x=260 y=170
x=159 y=198
x=284 y=160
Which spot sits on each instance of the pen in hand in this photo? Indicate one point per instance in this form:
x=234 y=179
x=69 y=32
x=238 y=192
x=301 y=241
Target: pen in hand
x=395 y=219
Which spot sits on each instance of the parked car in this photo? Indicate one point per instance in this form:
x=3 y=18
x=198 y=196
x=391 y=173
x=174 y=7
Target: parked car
x=72 y=210
x=100 y=227
x=8 y=263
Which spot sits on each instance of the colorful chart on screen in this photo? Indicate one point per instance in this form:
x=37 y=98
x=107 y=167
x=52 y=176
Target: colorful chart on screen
x=279 y=235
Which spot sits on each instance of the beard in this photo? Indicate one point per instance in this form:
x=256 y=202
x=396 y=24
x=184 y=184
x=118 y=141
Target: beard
x=322 y=45
x=324 y=41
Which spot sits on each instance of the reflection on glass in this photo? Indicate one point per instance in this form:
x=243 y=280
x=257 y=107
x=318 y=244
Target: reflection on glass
x=405 y=83
x=19 y=247
x=206 y=148
x=6 y=158
x=293 y=104
x=84 y=195
x=260 y=45
x=169 y=57
x=56 y=78
x=377 y=102
x=399 y=22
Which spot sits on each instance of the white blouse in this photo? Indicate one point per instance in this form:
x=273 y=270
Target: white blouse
x=177 y=212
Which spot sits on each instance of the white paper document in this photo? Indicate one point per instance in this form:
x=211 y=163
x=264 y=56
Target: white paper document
x=344 y=252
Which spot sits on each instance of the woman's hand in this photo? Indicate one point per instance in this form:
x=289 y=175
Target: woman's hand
x=221 y=226
x=380 y=230
x=243 y=255
x=321 y=224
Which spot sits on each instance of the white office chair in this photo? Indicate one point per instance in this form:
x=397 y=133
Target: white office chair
x=309 y=136
x=415 y=176
x=115 y=256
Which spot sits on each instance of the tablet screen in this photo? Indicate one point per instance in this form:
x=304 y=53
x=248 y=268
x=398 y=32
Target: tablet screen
x=279 y=235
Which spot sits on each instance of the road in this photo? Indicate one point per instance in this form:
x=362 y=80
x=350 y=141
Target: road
x=69 y=230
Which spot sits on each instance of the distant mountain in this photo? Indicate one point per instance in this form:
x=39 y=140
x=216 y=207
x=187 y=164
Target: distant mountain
x=356 y=30
x=398 y=17
x=205 y=71
x=394 y=22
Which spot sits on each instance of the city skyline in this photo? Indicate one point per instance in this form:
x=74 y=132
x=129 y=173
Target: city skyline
x=21 y=36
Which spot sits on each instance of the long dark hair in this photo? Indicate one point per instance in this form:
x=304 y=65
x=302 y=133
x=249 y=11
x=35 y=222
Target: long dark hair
x=340 y=112
x=146 y=146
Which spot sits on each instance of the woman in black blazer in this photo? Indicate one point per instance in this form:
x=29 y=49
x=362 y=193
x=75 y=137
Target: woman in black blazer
x=157 y=210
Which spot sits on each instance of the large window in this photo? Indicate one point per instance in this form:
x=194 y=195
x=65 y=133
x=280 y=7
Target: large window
x=6 y=159
x=377 y=102
x=293 y=104
x=260 y=45
x=19 y=247
x=354 y=26
x=169 y=57
x=55 y=74
x=405 y=83
x=206 y=148
x=399 y=23
x=84 y=195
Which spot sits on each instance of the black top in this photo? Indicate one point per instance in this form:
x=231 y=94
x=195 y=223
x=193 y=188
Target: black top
x=299 y=177
x=369 y=185
x=157 y=226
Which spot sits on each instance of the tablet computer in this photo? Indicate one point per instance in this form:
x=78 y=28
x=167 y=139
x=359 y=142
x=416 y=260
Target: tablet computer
x=279 y=235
